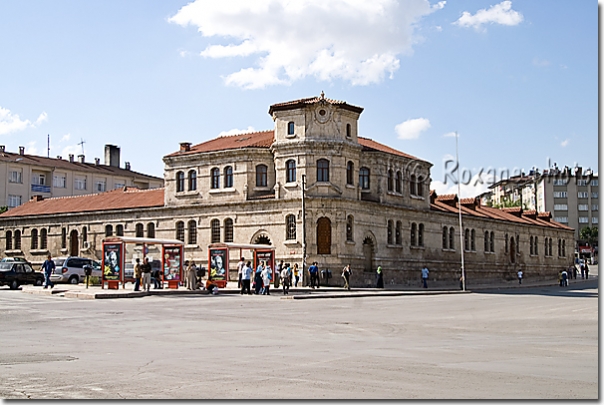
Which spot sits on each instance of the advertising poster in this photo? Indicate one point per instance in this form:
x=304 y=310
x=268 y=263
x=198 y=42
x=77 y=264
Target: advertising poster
x=172 y=263
x=218 y=264
x=112 y=261
x=268 y=257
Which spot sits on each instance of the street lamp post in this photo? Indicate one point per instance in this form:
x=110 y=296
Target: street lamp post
x=461 y=241
x=303 y=225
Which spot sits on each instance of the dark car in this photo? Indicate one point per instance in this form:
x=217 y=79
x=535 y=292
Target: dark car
x=15 y=274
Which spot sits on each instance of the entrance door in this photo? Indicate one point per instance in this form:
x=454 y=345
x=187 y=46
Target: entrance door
x=368 y=254
x=74 y=243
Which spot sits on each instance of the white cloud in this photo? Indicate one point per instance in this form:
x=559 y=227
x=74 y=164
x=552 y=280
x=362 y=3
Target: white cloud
x=450 y=135
x=501 y=13
x=564 y=143
x=540 y=62
x=65 y=138
x=236 y=131
x=31 y=149
x=351 y=40
x=474 y=188
x=71 y=149
x=412 y=128
x=10 y=122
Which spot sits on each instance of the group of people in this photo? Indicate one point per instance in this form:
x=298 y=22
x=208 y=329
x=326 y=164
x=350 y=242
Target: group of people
x=142 y=274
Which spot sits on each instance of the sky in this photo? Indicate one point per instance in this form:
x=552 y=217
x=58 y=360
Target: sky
x=517 y=81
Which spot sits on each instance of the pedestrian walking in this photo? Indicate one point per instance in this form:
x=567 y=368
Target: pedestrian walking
x=586 y=270
x=380 y=278
x=146 y=270
x=267 y=275
x=313 y=270
x=246 y=275
x=582 y=267
x=286 y=278
x=296 y=275
x=137 y=275
x=346 y=276
x=461 y=282
x=240 y=267
x=519 y=276
x=564 y=278
x=278 y=270
x=192 y=276
x=48 y=267
x=425 y=274
x=573 y=270
x=155 y=277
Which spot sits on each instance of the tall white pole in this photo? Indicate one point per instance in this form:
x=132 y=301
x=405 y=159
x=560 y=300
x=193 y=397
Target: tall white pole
x=303 y=226
x=461 y=240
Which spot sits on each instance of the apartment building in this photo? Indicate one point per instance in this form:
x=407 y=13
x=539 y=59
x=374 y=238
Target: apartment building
x=26 y=176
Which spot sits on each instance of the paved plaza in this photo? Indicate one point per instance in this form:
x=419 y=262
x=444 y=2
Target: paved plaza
x=537 y=342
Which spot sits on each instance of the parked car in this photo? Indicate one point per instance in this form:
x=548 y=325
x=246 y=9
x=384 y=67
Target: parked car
x=71 y=269
x=18 y=273
x=14 y=259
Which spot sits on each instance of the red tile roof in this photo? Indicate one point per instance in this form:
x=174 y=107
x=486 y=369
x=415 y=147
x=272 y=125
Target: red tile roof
x=288 y=105
x=122 y=198
x=371 y=145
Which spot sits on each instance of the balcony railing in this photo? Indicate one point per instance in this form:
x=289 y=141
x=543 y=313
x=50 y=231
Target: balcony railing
x=40 y=188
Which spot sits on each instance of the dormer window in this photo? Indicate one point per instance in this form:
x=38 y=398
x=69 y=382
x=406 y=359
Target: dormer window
x=261 y=176
x=290 y=128
x=323 y=170
x=364 y=178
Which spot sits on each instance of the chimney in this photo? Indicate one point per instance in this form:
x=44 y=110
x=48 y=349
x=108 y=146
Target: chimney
x=97 y=161
x=2 y=148
x=71 y=157
x=112 y=155
x=81 y=158
x=59 y=157
x=21 y=150
x=36 y=197
x=127 y=165
x=185 y=146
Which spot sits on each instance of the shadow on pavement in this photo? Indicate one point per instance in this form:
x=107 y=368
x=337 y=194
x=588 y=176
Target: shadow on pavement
x=579 y=290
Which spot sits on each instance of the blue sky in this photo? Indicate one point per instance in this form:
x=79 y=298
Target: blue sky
x=516 y=79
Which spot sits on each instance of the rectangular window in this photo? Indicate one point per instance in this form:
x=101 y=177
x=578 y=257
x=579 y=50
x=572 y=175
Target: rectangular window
x=80 y=183
x=99 y=186
x=14 y=201
x=582 y=194
x=594 y=183
x=117 y=185
x=562 y=220
x=560 y=194
x=39 y=179
x=581 y=182
x=15 y=176
x=559 y=182
x=594 y=220
x=583 y=220
x=594 y=194
x=59 y=181
x=594 y=207
x=560 y=207
x=583 y=207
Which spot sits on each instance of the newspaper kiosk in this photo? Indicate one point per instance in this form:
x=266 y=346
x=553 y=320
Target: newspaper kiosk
x=219 y=259
x=115 y=250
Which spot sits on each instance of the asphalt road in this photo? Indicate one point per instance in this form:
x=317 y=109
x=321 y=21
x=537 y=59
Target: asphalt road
x=515 y=343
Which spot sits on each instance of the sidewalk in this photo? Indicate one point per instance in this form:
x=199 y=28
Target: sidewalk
x=96 y=292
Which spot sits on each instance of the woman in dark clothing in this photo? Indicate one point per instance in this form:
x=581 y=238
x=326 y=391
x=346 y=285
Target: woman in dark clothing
x=258 y=282
x=380 y=277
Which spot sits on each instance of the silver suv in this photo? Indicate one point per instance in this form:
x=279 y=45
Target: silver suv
x=71 y=269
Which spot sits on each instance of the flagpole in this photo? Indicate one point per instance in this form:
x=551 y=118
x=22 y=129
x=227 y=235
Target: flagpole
x=461 y=240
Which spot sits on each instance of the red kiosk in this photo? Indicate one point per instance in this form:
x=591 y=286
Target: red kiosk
x=114 y=260
x=219 y=255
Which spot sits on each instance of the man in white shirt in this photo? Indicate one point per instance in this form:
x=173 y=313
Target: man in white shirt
x=519 y=276
x=240 y=266
x=246 y=276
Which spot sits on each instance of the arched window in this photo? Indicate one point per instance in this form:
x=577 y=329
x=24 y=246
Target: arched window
x=290 y=226
x=108 y=230
x=452 y=238
x=399 y=182
x=64 y=237
x=350 y=173
x=17 y=240
x=228 y=177
x=192 y=180
x=413 y=234
x=507 y=248
x=518 y=245
x=215 y=178
x=420 y=186
x=390 y=231
x=420 y=235
x=290 y=128
x=412 y=185
x=228 y=230
x=180 y=182
x=399 y=233
x=215 y=231
x=545 y=247
x=150 y=230
x=139 y=230
x=445 y=237
x=550 y=246
x=323 y=236
x=466 y=240
x=261 y=176
x=34 y=239
x=349 y=228
x=536 y=245
x=44 y=238
x=486 y=241
x=390 y=180
x=364 y=178
x=563 y=248
x=531 y=246
x=84 y=234
x=9 y=240
x=192 y=229
x=290 y=166
x=348 y=131
x=473 y=240
x=559 y=247
x=323 y=170
x=119 y=230
x=492 y=242
x=180 y=231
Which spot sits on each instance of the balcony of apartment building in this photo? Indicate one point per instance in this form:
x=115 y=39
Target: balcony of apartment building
x=40 y=181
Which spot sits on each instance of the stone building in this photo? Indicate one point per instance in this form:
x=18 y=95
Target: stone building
x=364 y=203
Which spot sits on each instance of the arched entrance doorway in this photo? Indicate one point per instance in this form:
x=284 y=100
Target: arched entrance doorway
x=324 y=236
x=74 y=243
x=368 y=251
x=262 y=240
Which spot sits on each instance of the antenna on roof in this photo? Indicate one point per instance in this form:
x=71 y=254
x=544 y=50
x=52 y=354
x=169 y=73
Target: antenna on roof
x=48 y=146
x=322 y=95
x=82 y=142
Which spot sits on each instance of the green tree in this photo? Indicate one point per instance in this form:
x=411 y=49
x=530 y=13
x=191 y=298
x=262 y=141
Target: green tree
x=589 y=234
x=3 y=209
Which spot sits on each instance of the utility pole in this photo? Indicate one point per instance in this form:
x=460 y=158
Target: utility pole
x=48 y=145
x=461 y=240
